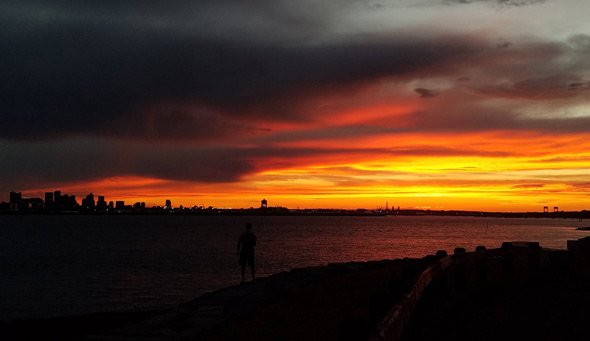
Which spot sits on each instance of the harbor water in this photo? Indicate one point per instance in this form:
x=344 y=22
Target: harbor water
x=68 y=265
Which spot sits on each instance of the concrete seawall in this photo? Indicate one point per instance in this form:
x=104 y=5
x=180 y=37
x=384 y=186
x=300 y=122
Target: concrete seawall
x=453 y=283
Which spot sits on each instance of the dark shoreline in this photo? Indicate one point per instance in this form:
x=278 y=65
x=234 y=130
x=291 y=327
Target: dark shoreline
x=74 y=327
x=317 y=212
x=361 y=300
x=213 y=310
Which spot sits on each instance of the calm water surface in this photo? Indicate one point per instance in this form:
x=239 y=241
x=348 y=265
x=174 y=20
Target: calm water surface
x=63 y=265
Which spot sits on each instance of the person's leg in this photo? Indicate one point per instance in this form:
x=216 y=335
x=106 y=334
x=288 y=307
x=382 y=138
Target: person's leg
x=244 y=273
x=253 y=268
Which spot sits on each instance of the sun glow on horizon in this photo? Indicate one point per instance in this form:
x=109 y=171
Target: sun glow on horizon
x=516 y=181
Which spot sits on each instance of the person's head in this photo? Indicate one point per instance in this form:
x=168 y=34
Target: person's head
x=248 y=226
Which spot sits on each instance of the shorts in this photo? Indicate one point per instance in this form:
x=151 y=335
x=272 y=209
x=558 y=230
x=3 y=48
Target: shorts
x=247 y=258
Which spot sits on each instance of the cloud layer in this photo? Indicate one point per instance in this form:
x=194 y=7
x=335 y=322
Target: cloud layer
x=220 y=91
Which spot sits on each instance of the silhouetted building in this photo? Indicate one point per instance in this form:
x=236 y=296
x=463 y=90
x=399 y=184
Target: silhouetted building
x=101 y=204
x=68 y=203
x=34 y=204
x=88 y=203
x=15 y=202
x=264 y=203
x=48 y=201
x=57 y=200
x=168 y=205
x=15 y=197
x=120 y=205
x=18 y=203
x=111 y=205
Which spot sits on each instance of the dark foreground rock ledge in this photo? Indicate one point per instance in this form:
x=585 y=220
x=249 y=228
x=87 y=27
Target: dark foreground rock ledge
x=346 y=299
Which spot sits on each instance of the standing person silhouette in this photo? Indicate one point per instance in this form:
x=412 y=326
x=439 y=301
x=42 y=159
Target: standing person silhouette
x=246 y=244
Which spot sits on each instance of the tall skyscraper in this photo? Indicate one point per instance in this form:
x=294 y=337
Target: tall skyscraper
x=101 y=204
x=48 y=200
x=57 y=200
x=15 y=200
x=88 y=203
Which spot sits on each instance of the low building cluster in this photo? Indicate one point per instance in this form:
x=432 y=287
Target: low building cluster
x=56 y=202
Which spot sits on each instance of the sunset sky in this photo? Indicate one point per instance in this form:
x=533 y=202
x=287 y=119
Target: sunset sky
x=441 y=104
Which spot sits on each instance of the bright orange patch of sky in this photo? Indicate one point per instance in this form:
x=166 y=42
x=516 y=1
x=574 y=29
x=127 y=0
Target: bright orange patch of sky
x=532 y=173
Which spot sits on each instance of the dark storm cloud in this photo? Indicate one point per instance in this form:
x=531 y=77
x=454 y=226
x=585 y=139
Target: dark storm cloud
x=480 y=117
x=579 y=85
x=167 y=123
x=82 y=159
x=108 y=69
x=91 y=69
x=516 y=3
x=427 y=93
x=465 y=118
x=536 y=70
x=560 y=86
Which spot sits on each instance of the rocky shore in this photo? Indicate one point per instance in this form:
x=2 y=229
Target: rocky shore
x=321 y=302
x=520 y=291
